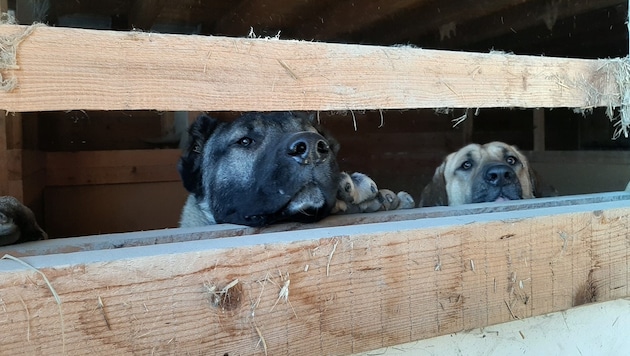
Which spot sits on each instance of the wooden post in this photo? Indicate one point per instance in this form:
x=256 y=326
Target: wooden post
x=539 y=130
x=468 y=127
x=4 y=156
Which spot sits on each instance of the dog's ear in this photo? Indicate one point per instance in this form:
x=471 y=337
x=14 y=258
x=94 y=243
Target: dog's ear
x=189 y=165
x=434 y=194
x=539 y=187
x=13 y=214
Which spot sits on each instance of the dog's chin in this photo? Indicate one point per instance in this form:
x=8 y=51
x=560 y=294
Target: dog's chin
x=497 y=197
x=501 y=198
x=308 y=205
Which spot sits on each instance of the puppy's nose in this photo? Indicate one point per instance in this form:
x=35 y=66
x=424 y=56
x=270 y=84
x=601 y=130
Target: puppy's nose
x=308 y=148
x=499 y=175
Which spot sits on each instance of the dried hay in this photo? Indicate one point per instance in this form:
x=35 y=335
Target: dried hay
x=8 y=51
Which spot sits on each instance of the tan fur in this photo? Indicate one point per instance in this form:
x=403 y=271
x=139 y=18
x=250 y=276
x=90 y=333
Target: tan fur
x=452 y=186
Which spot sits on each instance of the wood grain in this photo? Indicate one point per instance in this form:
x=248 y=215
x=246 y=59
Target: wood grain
x=111 y=167
x=65 y=69
x=352 y=288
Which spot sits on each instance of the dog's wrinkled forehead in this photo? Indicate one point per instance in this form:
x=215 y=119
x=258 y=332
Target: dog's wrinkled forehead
x=475 y=153
x=497 y=151
x=471 y=152
x=269 y=124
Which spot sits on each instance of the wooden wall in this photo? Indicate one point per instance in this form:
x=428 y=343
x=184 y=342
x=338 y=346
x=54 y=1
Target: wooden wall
x=357 y=286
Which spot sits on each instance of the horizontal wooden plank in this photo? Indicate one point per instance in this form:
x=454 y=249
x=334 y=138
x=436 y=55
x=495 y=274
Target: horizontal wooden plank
x=113 y=241
x=65 y=69
x=24 y=162
x=580 y=157
x=598 y=171
x=336 y=290
x=112 y=208
x=111 y=167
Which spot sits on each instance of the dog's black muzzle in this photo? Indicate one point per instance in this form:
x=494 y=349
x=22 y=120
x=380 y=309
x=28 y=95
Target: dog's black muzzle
x=308 y=148
x=500 y=175
x=497 y=182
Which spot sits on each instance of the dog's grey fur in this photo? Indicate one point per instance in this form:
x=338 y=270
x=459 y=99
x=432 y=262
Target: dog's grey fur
x=260 y=169
x=17 y=223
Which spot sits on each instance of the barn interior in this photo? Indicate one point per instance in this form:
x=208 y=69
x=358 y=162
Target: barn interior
x=115 y=171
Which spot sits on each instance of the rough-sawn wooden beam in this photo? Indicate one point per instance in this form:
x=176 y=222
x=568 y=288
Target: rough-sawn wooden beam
x=334 y=290
x=66 y=69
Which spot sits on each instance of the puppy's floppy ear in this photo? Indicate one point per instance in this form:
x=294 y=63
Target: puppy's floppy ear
x=539 y=187
x=434 y=194
x=189 y=165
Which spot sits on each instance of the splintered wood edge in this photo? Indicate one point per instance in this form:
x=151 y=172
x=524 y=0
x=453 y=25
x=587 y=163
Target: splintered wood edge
x=332 y=290
x=66 y=69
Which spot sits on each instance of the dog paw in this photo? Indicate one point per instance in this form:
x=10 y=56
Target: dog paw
x=358 y=193
x=406 y=201
x=389 y=200
x=356 y=188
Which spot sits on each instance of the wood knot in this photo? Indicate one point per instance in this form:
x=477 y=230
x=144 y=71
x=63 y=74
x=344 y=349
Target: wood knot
x=226 y=298
x=586 y=292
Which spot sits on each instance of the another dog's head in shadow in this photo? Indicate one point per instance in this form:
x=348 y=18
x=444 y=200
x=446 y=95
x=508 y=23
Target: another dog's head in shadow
x=259 y=169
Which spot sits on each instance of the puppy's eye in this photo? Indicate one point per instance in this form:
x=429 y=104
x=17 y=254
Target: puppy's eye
x=347 y=187
x=466 y=165
x=245 y=141
x=197 y=148
x=511 y=160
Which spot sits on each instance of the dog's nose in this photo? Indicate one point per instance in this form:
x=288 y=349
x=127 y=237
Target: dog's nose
x=309 y=148
x=499 y=175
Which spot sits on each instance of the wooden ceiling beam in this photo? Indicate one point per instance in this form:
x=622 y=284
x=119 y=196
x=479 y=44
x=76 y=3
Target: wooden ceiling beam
x=276 y=15
x=424 y=19
x=350 y=16
x=597 y=34
x=517 y=19
x=143 y=13
x=448 y=22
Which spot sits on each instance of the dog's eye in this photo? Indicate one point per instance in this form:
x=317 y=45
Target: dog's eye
x=511 y=160
x=466 y=165
x=245 y=141
x=347 y=187
x=197 y=148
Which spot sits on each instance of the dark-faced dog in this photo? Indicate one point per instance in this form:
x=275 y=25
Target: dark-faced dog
x=260 y=169
x=17 y=223
x=476 y=173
